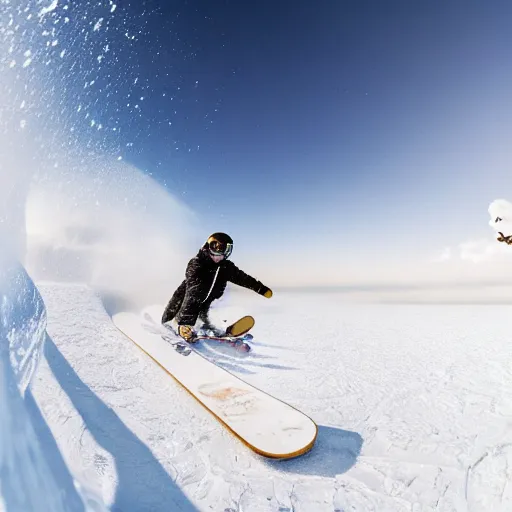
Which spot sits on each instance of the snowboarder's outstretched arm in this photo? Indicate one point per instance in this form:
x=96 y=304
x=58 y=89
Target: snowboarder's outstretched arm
x=239 y=277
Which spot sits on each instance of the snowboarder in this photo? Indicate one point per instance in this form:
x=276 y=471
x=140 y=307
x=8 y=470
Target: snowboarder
x=206 y=277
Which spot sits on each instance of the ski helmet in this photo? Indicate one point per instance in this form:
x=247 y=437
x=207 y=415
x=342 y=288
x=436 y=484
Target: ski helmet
x=220 y=244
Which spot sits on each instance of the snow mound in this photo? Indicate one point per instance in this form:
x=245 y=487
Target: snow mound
x=26 y=480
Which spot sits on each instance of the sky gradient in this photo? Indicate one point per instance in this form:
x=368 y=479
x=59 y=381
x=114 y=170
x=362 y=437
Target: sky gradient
x=346 y=130
x=337 y=142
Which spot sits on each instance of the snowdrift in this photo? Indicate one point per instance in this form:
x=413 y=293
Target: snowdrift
x=27 y=482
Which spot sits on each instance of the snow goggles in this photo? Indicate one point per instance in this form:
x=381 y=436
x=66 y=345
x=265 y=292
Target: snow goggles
x=217 y=248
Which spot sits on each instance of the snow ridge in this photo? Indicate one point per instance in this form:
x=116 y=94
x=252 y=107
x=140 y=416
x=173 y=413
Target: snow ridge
x=26 y=481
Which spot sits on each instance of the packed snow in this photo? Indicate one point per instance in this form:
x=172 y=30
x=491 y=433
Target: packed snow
x=412 y=402
x=30 y=479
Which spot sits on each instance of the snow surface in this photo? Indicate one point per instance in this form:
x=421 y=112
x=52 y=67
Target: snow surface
x=413 y=405
x=28 y=482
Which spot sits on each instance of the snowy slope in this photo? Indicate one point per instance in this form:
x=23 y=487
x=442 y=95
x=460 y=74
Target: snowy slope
x=413 y=406
x=29 y=479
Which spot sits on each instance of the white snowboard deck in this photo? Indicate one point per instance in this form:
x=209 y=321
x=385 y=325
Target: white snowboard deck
x=267 y=425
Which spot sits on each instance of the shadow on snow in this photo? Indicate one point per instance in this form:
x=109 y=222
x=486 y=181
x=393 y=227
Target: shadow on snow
x=143 y=484
x=335 y=452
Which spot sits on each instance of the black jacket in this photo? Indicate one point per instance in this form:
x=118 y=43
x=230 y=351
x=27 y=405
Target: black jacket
x=206 y=281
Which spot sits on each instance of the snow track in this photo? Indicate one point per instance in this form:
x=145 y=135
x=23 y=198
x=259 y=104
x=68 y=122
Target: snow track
x=412 y=402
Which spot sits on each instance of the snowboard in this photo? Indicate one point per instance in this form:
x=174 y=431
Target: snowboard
x=236 y=335
x=241 y=326
x=238 y=342
x=267 y=425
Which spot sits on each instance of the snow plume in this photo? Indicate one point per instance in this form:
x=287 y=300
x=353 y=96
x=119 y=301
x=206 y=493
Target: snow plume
x=485 y=250
x=106 y=224
x=27 y=483
x=500 y=212
x=17 y=96
x=14 y=182
x=71 y=209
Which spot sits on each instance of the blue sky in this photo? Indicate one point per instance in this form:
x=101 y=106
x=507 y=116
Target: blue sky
x=345 y=130
x=343 y=139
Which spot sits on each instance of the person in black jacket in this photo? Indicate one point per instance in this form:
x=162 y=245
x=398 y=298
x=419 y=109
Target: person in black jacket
x=205 y=280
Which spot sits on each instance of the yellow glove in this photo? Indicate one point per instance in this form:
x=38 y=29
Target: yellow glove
x=268 y=293
x=187 y=333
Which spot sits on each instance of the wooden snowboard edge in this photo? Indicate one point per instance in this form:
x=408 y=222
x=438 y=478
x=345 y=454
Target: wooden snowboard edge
x=255 y=449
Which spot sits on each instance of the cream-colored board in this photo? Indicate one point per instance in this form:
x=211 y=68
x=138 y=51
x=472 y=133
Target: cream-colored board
x=267 y=425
